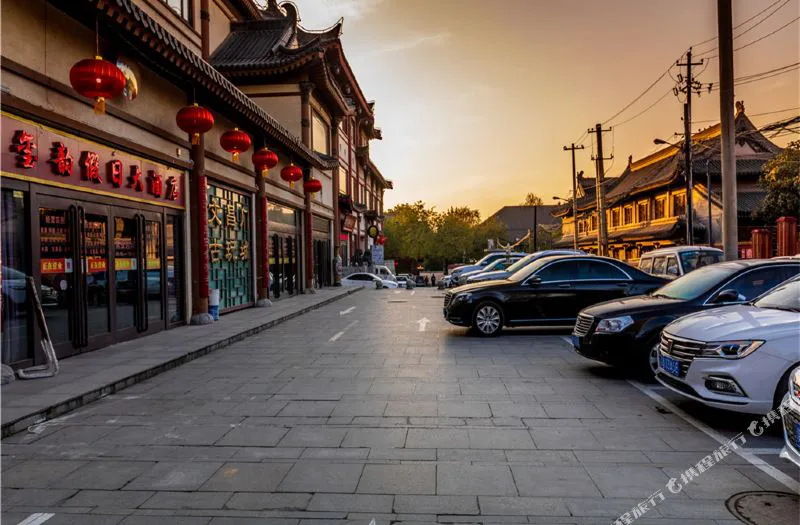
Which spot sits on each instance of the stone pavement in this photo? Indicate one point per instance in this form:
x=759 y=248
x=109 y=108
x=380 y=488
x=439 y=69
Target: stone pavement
x=348 y=414
x=85 y=378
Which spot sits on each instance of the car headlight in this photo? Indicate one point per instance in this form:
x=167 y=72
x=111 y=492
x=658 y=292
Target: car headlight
x=794 y=385
x=730 y=349
x=462 y=297
x=614 y=324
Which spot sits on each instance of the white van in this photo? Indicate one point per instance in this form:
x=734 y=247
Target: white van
x=384 y=272
x=675 y=261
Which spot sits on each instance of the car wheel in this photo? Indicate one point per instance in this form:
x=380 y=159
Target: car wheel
x=488 y=319
x=783 y=388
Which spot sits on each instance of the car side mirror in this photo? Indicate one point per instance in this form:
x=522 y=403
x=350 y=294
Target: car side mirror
x=729 y=296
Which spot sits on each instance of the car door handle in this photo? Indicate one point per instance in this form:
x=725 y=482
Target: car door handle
x=565 y=285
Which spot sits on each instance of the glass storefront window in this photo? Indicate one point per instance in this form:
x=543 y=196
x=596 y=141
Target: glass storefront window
x=126 y=271
x=174 y=261
x=56 y=267
x=95 y=253
x=152 y=249
x=230 y=247
x=15 y=239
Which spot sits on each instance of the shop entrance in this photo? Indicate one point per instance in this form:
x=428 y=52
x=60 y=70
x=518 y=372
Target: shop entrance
x=283 y=264
x=101 y=273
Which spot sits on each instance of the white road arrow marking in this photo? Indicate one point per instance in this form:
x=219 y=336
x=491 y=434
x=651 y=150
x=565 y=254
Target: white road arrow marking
x=413 y=292
x=423 y=323
x=36 y=519
x=345 y=312
x=340 y=334
x=397 y=291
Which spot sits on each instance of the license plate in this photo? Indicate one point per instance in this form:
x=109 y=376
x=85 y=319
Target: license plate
x=797 y=436
x=671 y=366
x=576 y=341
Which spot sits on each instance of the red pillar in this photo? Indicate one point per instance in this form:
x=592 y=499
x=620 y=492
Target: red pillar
x=762 y=243
x=308 y=217
x=305 y=123
x=262 y=241
x=198 y=205
x=787 y=236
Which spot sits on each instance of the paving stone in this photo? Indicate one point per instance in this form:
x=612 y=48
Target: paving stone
x=313 y=436
x=33 y=497
x=398 y=479
x=267 y=501
x=84 y=519
x=164 y=520
x=336 y=453
x=627 y=481
x=38 y=473
x=466 y=409
x=308 y=408
x=565 y=439
x=375 y=503
x=359 y=408
x=499 y=438
x=503 y=506
x=716 y=483
x=403 y=454
x=77 y=435
x=105 y=475
x=320 y=476
x=555 y=481
x=170 y=475
x=187 y=500
x=508 y=409
x=571 y=410
x=247 y=477
x=437 y=438
x=253 y=436
x=469 y=480
x=436 y=504
x=542 y=457
x=375 y=437
x=409 y=408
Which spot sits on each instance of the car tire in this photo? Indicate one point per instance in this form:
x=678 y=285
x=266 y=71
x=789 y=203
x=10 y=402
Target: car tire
x=487 y=320
x=647 y=364
x=783 y=387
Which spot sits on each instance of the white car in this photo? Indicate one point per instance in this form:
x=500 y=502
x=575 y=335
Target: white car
x=791 y=420
x=736 y=357
x=367 y=279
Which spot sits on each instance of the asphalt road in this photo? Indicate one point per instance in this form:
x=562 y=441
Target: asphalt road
x=374 y=407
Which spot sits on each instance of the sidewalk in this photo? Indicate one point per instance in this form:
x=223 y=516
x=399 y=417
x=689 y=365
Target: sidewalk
x=88 y=377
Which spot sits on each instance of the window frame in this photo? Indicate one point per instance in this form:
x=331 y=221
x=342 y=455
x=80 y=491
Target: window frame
x=186 y=14
x=317 y=117
x=663 y=202
x=642 y=205
x=625 y=221
x=681 y=198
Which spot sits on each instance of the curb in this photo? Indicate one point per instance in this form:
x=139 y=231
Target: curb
x=63 y=407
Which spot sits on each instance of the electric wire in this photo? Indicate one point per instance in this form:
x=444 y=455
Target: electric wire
x=784 y=26
x=737 y=26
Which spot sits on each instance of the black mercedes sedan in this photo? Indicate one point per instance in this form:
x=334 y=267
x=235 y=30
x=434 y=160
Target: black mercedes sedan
x=626 y=332
x=548 y=292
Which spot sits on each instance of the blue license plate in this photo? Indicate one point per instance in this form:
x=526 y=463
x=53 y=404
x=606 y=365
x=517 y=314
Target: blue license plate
x=576 y=341
x=671 y=366
x=797 y=436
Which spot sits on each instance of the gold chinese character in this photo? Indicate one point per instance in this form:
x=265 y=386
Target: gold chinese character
x=243 y=217
x=244 y=250
x=214 y=250
x=230 y=216
x=215 y=210
x=230 y=247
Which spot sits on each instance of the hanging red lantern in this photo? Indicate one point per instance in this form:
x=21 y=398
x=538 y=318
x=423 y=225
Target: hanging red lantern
x=98 y=79
x=235 y=142
x=195 y=120
x=292 y=174
x=264 y=160
x=312 y=186
x=380 y=239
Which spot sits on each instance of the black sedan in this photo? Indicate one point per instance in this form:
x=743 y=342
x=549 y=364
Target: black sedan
x=548 y=292
x=626 y=332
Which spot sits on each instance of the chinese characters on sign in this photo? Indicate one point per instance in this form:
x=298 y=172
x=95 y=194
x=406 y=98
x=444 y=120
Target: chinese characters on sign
x=84 y=164
x=229 y=255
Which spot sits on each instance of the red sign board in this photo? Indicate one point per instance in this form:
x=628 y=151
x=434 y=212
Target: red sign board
x=40 y=154
x=348 y=223
x=56 y=266
x=96 y=264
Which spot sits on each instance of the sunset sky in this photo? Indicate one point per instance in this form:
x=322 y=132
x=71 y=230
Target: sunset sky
x=476 y=98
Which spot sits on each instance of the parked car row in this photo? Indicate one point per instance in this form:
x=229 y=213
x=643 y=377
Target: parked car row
x=725 y=334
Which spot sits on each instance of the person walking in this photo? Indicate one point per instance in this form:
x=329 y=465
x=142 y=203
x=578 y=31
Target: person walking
x=433 y=279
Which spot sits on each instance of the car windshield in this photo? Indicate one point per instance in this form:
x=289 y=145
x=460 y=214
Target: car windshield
x=784 y=297
x=522 y=263
x=529 y=270
x=695 y=284
x=697 y=259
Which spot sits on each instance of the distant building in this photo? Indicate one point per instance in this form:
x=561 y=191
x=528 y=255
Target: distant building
x=521 y=219
x=646 y=204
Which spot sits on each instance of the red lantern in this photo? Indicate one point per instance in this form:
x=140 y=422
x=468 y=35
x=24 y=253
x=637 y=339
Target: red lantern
x=380 y=239
x=292 y=174
x=98 y=79
x=264 y=160
x=312 y=186
x=195 y=120
x=235 y=141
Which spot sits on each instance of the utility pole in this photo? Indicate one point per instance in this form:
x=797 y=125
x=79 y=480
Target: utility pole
x=602 y=230
x=708 y=187
x=730 y=236
x=691 y=85
x=572 y=148
x=535 y=226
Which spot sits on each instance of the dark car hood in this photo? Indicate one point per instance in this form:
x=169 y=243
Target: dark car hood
x=493 y=275
x=640 y=304
x=483 y=285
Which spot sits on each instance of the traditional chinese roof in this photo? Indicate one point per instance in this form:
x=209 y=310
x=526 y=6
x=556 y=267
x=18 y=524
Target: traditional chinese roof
x=387 y=184
x=654 y=232
x=589 y=198
x=276 y=47
x=522 y=217
x=130 y=23
x=666 y=166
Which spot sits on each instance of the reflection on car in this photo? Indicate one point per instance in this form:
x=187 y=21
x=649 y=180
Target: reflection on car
x=495 y=275
x=548 y=292
x=367 y=279
x=736 y=357
x=627 y=332
x=791 y=419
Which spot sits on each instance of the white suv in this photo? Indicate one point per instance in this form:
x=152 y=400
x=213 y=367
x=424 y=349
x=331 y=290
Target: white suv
x=736 y=357
x=675 y=261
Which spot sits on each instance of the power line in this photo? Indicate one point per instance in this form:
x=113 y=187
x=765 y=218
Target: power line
x=643 y=93
x=746 y=21
x=753 y=115
x=738 y=25
x=784 y=26
x=645 y=110
x=757 y=77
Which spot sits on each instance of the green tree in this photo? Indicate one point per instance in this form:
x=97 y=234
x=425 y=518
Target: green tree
x=492 y=228
x=532 y=199
x=781 y=179
x=409 y=228
x=455 y=234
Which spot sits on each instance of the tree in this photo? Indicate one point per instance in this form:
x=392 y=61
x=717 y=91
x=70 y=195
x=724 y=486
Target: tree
x=493 y=228
x=454 y=238
x=781 y=179
x=409 y=228
x=532 y=199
